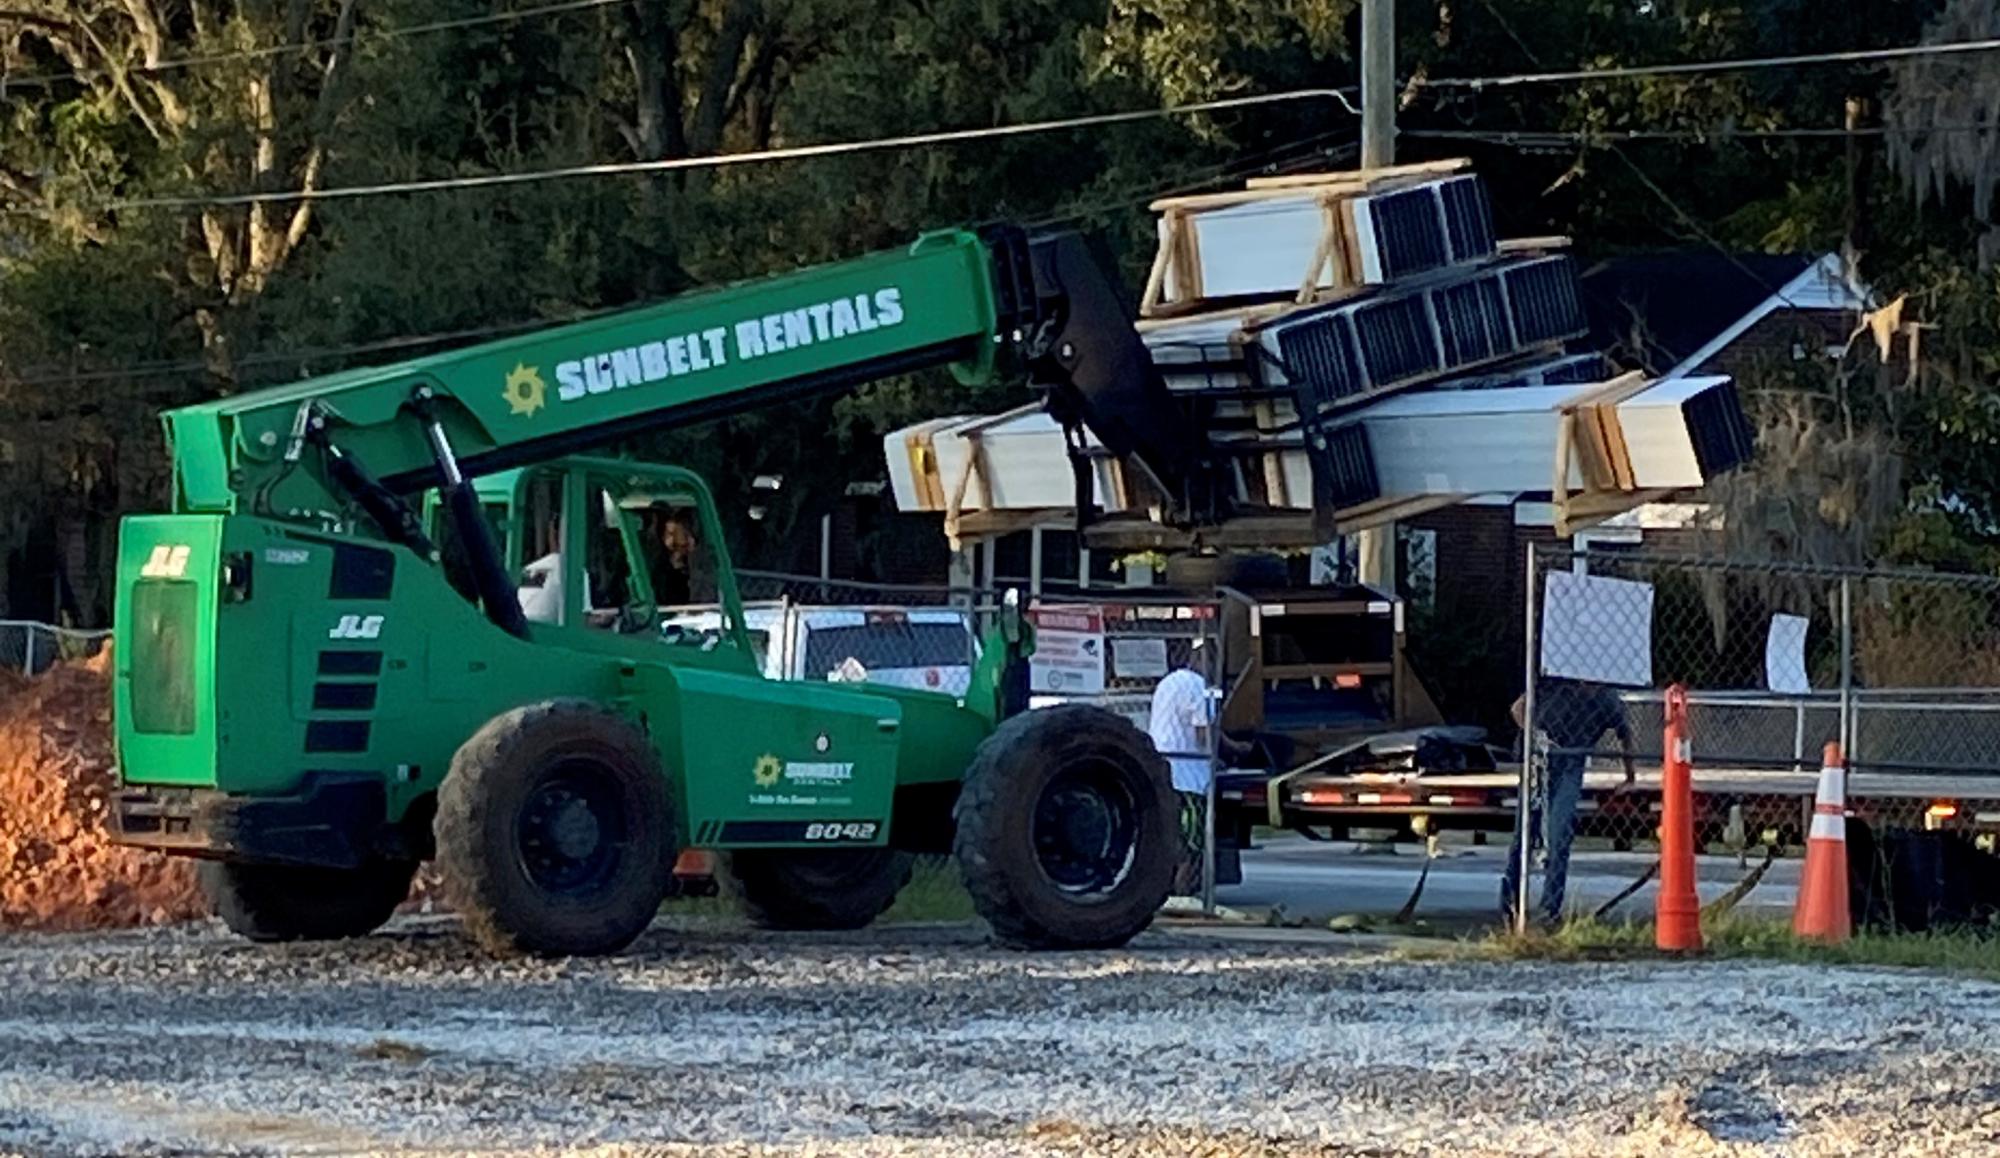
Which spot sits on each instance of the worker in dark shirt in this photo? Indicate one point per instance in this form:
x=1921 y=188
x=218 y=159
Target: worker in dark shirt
x=1571 y=716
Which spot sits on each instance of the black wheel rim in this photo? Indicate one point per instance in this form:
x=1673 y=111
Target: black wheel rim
x=1086 y=828
x=571 y=834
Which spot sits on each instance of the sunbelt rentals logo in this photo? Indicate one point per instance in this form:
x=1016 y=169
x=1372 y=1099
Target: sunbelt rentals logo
x=701 y=351
x=770 y=769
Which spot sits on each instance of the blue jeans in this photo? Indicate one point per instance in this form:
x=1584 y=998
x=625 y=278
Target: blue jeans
x=1557 y=825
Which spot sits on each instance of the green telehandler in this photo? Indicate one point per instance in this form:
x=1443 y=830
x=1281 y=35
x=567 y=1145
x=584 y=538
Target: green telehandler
x=327 y=673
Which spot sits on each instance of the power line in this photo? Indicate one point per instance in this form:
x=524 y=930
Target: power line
x=393 y=33
x=1605 y=138
x=1664 y=197
x=724 y=160
x=281 y=357
x=1743 y=64
x=1267 y=160
x=1251 y=163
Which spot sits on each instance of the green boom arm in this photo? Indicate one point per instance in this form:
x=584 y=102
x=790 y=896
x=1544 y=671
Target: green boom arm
x=568 y=388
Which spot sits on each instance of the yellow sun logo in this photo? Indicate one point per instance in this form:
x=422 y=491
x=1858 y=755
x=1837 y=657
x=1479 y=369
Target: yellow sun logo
x=525 y=392
x=767 y=771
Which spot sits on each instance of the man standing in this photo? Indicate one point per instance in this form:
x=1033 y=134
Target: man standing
x=1571 y=716
x=1181 y=724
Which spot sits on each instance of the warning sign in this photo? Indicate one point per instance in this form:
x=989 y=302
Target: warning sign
x=1069 y=651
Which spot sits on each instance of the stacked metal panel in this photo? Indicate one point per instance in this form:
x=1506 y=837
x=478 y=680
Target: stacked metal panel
x=1014 y=461
x=1443 y=327
x=1364 y=339
x=1409 y=231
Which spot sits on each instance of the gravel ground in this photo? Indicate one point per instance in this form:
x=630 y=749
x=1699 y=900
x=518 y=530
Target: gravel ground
x=706 y=1039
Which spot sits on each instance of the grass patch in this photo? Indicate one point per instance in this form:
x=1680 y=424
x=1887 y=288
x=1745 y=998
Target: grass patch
x=1735 y=936
x=934 y=893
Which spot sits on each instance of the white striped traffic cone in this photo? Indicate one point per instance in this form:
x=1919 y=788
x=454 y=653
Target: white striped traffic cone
x=1822 y=912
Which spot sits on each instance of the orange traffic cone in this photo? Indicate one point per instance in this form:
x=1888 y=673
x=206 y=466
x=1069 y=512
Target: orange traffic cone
x=1677 y=909
x=1822 y=912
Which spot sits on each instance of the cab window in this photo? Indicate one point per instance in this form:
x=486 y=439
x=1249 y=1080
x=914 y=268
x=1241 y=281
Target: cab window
x=679 y=561
x=541 y=579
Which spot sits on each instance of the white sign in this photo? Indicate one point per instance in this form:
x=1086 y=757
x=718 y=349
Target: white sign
x=1597 y=629
x=1069 y=651
x=1138 y=659
x=1785 y=655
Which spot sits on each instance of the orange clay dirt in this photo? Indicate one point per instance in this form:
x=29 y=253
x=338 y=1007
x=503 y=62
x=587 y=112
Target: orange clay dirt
x=58 y=867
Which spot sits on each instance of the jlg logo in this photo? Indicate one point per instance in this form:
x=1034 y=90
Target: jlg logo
x=357 y=627
x=166 y=562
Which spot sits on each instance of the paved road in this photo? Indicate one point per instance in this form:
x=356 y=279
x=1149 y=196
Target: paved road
x=1318 y=879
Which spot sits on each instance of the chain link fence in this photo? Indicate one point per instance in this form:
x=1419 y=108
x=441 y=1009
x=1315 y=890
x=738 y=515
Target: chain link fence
x=1113 y=649
x=1901 y=670
x=28 y=648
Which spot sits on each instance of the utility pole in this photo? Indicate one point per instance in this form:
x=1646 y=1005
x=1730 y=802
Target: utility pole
x=1375 y=548
x=1378 y=83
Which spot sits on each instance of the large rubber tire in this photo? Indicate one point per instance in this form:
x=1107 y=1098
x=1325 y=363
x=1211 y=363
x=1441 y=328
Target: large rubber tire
x=555 y=835
x=273 y=902
x=1006 y=813
x=819 y=888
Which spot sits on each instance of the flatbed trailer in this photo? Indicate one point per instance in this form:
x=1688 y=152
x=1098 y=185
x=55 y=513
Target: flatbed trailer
x=1768 y=805
x=1756 y=769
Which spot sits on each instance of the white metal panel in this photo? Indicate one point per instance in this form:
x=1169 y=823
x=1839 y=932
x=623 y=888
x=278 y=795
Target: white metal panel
x=1657 y=438
x=1026 y=464
x=1186 y=353
x=1255 y=248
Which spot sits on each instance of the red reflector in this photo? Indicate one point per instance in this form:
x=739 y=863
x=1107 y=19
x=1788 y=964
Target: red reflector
x=1311 y=796
x=1347 y=680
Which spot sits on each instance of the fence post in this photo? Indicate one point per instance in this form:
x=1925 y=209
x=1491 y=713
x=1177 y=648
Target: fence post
x=1677 y=910
x=1523 y=811
x=1210 y=632
x=1846 y=675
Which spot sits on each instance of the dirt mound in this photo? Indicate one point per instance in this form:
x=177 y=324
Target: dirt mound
x=58 y=869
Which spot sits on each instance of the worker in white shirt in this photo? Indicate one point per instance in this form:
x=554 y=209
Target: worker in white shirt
x=1182 y=725
x=541 y=591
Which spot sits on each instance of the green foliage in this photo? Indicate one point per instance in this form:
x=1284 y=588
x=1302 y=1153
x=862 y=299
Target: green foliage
x=106 y=317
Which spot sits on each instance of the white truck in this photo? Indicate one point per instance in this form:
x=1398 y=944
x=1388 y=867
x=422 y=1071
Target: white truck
x=932 y=648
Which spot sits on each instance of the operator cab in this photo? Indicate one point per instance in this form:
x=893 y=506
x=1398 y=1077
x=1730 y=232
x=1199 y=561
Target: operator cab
x=600 y=545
